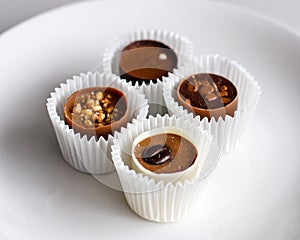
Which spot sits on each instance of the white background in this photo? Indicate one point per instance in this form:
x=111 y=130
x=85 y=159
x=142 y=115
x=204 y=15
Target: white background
x=38 y=199
x=14 y=11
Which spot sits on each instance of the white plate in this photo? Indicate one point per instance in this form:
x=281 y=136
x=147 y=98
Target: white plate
x=253 y=193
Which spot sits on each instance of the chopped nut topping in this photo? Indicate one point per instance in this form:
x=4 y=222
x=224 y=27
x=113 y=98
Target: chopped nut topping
x=77 y=108
x=90 y=103
x=88 y=123
x=224 y=94
x=110 y=109
x=226 y=100
x=101 y=117
x=99 y=95
x=95 y=109
x=223 y=88
x=87 y=112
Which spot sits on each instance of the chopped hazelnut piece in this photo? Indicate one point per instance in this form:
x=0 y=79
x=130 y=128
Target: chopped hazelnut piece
x=90 y=103
x=97 y=108
x=88 y=123
x=223 y=94
x=77 y=108
x=87 y=112
x=226 y=100
x=99 y=95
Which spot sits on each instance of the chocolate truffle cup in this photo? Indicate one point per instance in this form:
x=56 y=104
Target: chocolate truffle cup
x=158 y=199
x=90 y=154
x=101 y=130
x=153 y=89
x=226 y=109
x=227 y=131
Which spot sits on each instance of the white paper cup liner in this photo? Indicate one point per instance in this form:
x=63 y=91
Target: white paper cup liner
x=153 y=91
x=151 y=198
x=227 y=133
x=90 y=155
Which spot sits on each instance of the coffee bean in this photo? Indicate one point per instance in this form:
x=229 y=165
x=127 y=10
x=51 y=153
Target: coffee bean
x=157 y=154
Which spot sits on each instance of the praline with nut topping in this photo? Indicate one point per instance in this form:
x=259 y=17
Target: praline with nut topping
x=96 y=111
x=208 y=95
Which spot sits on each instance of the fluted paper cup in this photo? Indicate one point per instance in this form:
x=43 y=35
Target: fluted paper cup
x=153 y=91
x=90 y=155
x=229 y=131
x=157 y=199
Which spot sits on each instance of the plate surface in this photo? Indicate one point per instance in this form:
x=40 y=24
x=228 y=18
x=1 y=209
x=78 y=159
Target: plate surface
x=252 y=194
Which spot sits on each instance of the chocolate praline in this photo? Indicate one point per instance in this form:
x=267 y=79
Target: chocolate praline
x=96 y=111
x=145 y=60
x=208 y=95
x=165 y=153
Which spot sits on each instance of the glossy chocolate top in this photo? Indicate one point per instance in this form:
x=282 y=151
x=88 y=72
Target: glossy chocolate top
x=207 y=91
x=165 y=153
x=145 y=60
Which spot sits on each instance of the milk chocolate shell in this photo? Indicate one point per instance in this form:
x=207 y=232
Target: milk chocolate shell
x=145 y=60
x=96 y=111
x=166 y=154
x=208 y=95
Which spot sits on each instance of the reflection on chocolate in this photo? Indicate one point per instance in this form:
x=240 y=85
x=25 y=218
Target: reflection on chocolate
x=145 y=60
x=165 y=153
x=96 y=111
x=157 y=154
x=208 y=95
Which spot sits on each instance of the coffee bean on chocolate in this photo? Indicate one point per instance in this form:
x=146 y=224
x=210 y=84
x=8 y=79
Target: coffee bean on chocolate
x=157 y=154
x=165 y=153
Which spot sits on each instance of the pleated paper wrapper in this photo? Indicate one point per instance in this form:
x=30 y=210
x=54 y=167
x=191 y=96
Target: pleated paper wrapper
x=90 y=155
x=157 y=200
x=153 y=91
x=228 y=132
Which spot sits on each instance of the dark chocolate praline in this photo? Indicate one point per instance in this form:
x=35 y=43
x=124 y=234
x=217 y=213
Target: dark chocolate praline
x=208 y=95
x=146 y=60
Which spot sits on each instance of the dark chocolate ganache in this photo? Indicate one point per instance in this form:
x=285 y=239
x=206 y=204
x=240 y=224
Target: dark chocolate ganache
x=145 y=60
x=207 y=91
